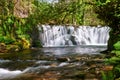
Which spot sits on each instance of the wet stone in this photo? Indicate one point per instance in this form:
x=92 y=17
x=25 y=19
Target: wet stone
x=63 y=59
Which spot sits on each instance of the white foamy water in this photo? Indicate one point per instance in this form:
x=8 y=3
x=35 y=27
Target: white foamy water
x=52 y=36
x=7 y=74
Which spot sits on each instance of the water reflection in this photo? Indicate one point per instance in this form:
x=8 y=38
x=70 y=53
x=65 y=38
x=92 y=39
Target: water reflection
x=73 y=50
x=51 y=52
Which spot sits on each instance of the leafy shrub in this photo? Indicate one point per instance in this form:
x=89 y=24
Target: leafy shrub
x=6 y=40
x=107 y=75
x=117 y=45
x=1 y=39
x=115 y=60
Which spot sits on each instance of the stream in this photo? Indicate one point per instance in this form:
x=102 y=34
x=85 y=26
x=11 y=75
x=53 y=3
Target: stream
x=53 y=63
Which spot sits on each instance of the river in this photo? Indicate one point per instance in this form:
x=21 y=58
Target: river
x=40 y=59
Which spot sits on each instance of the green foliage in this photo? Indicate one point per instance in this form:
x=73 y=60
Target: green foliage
x=6 y=40
x=101 y=2
x=117 y=52
x=115 y=60
x=75 y=12
x=13 y=27
x=107 y=75
x=109 y=12
x=117 y=45
x=1 y=39
x=37 y=43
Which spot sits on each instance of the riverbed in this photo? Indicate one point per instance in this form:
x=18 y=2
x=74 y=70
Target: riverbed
x=54 y=63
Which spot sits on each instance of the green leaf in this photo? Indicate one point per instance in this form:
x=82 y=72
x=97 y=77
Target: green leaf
x=114 y=60
x=117 y=45
x=104 y=77
x=10 y=20
x=116 y=52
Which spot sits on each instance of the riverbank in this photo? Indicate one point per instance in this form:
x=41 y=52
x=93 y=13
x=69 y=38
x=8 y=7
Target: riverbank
x=15 y=46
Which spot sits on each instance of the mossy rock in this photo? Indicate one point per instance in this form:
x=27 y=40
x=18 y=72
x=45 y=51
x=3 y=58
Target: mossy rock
x=12 y=48
x=117 y=45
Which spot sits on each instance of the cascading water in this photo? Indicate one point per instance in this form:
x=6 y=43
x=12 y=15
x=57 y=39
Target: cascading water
x=52 y=36
x=6 y=74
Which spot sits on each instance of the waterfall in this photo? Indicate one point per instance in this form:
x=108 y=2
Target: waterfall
x=52 y=36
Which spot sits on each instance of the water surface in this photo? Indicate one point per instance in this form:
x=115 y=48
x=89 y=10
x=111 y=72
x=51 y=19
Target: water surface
x=37 y=59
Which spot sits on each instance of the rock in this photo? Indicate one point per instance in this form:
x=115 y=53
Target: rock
x=93 y=65
x=54 y=65
x=63 y=59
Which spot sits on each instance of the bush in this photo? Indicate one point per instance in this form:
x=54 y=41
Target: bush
x=1 y=39
x=115 y=60
x=6 y=40
x=117 y=45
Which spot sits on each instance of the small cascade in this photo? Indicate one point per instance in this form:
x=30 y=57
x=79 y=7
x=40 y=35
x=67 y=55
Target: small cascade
x=57 y=36
x=6 y=74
